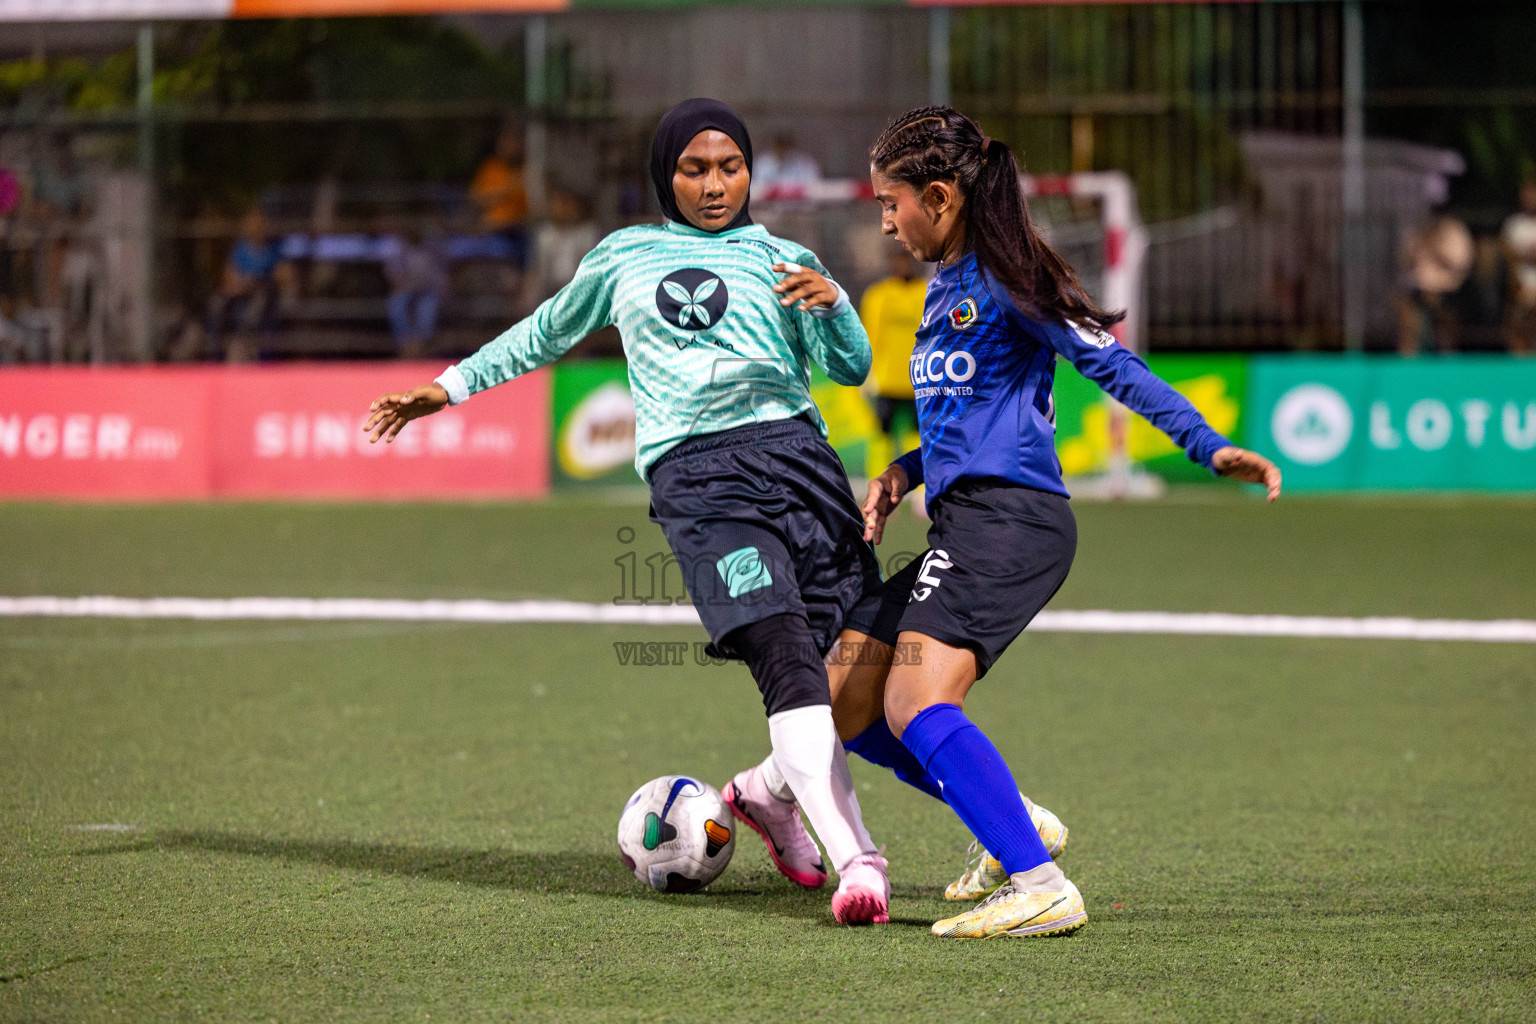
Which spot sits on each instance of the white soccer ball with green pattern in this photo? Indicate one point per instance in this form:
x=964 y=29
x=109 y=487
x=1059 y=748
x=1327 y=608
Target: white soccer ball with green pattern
x=677 y=834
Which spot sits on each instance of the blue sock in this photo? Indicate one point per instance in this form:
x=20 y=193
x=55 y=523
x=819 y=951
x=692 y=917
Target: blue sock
x=977 y=784
x=877 y=746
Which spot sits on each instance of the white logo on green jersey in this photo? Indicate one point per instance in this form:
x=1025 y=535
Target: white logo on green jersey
x=692 y=299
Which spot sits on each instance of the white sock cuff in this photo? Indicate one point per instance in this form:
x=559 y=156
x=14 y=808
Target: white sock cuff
x=1045 y=877
x=800 y=718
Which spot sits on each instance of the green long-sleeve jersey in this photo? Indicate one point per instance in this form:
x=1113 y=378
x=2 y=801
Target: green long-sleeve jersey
x=709 y=345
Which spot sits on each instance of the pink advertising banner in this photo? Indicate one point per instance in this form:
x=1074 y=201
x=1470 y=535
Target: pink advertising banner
x=261 y=432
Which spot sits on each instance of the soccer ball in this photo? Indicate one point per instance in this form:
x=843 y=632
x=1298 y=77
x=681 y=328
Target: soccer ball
x=676 y=834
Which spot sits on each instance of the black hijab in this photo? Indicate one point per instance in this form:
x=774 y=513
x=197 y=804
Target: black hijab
x=677 y=128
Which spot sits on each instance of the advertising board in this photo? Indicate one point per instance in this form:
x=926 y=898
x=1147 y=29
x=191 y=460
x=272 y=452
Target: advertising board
x=291 y=431
x=1214 y=384
x=593 y=433
x=1383 y=423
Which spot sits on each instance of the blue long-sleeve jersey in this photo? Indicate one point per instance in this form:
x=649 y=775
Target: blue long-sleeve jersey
x=982 y=372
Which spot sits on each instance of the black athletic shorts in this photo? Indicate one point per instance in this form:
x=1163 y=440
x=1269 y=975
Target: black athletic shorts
x=762 y=521
x=997 y=554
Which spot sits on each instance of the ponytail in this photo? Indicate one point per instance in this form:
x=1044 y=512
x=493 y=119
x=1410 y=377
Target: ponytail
x=941 y=144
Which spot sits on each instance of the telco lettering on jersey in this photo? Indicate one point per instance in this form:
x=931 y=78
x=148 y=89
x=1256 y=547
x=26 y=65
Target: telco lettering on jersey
x=937 y=367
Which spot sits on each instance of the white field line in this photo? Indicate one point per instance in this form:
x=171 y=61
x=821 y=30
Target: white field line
x=109 y=827
x=344 y=609
x=1518 y=631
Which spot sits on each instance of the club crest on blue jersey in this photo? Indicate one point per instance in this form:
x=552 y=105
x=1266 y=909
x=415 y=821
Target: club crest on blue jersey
x=963 y=315
x=692 y=299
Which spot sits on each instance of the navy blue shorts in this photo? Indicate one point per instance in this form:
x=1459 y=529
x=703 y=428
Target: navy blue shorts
x=997 y=554
x=762 y=521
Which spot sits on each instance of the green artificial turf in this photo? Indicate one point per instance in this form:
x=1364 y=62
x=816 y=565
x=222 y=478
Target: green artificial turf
x=397 y=821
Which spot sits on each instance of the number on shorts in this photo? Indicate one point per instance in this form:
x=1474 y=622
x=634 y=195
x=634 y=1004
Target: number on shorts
x=933 y=561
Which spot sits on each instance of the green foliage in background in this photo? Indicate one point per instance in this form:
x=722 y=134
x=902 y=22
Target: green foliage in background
x=242 y=104
x=324 y=59
x=1161 y=90
x=1167 y=87
x=1164 y=87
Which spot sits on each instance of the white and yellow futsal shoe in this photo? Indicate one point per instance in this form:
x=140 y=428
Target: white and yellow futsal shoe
x=984 y=872
x=1017 y=912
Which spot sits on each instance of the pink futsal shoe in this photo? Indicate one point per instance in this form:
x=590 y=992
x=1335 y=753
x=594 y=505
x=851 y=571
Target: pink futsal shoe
x=793 y=850
x=863 y=893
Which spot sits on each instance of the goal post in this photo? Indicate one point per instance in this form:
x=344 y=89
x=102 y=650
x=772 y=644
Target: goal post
x=1125 y=239
x=1124 y=251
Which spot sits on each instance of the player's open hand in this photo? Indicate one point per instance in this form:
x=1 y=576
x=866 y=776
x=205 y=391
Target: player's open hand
x=389 y=414
x=1249 y=467
x=804 y=286
x=885 y=493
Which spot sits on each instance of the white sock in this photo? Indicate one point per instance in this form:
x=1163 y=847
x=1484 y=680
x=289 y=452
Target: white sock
x=1046 y=877
x=809 y=757
x=778 y=786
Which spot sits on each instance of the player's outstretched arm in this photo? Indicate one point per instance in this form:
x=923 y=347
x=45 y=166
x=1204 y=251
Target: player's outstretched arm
x=1249 y=467
x=885 y=493
x=389 y=414
x=836 y=342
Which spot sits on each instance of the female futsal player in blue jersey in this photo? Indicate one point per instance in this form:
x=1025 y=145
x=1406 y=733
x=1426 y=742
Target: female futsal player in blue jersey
x=1000 y=309
x=720 y=322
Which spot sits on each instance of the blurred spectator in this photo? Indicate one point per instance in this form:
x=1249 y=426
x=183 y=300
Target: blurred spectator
x=1481 y=303
x=245 y=303
x=892 y=311
x=24 y=334
x=499 y=190
x=80 y=292
x=13 y=340
x=784 y=165
x=1519 y=238
x=418 y=279
x=568 y=235
x=57 y=184
x=1437 y=259
x=58 y=199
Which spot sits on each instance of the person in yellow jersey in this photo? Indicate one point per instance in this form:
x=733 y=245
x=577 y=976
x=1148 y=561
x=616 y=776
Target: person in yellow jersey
x=500 y=191
x=892 y=311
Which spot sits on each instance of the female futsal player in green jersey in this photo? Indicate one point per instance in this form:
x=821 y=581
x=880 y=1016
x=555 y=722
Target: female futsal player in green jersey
x=720 y=322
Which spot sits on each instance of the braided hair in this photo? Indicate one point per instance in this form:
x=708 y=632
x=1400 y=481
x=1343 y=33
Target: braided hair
x=938 y=143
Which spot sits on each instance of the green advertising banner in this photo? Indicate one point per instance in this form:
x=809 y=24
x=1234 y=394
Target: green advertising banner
x=1384 y=423
x=593 y=439
x=1213 y=384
